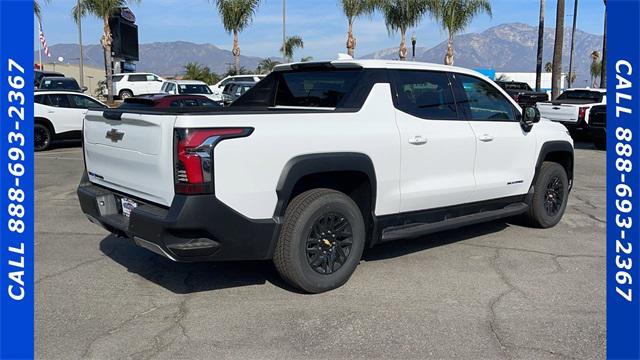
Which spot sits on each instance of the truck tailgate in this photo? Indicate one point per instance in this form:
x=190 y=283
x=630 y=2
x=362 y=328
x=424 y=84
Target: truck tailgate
x=132 y=154
x=559 y=112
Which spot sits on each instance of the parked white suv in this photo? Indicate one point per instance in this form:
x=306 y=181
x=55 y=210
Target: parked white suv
x=187 y=87
x=58 y=115
x=135 y=84
x=319 y=161
x=218 y=88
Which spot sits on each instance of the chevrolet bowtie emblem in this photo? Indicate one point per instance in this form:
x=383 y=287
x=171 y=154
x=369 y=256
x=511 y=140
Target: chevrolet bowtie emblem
x=114 y=135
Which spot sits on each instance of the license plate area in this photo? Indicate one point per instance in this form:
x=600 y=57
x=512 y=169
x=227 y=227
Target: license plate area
x=127 y=206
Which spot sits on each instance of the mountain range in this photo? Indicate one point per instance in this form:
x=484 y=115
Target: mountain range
x=505 y=48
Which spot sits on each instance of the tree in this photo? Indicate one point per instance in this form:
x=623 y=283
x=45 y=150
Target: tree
x=596 y=68
x=306 y=59
x=556 y=74
x=456 y=15
x=540 y=46
x=236 y=16
x=353 y=9
x=195 y=71
x=266 y=66
x=37 y=10
x=290 y=45
x=399 y=15
x=102 y=9
x=603 y=65
x=548 y=67
x=571 y=77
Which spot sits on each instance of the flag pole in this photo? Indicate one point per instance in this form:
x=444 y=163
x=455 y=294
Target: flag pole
x=40 y=45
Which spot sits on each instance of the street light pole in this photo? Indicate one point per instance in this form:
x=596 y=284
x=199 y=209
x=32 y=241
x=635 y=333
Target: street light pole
x=413 y=45
x=284 y=25
x=81 y=50
x=573 y=35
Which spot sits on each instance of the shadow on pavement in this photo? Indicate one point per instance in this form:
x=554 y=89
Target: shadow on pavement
x=186 y=278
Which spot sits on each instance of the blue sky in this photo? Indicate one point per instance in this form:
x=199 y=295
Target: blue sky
x=320 y=23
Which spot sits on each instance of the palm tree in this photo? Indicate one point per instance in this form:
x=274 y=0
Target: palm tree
x=195 y=71
x=571 y=77
x=102 y=9
x=353 y=9
x=596 y=68
x=266 y=66
x=603 y=65
x=548 y=67
x=456 y=15
x=236 y=16
x=290 y=45
x=306 y=59
x=556 y=74
x=400 y=15
x=37 y=10
x=540 y=46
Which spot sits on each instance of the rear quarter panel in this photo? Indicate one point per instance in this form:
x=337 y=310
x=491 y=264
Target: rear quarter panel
x=247 y=170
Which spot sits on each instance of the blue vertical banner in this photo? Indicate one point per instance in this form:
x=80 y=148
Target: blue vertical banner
x=623 y=181
x=16 y=180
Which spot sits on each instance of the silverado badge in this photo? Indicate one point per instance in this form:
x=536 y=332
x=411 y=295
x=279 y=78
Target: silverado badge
x=114 y=135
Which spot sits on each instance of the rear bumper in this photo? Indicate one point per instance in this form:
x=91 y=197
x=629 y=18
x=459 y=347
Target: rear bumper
x=194 y=228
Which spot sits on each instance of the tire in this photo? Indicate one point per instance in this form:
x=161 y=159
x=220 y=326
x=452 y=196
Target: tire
x=42 y=137
x=550 y=196
x=309 y=260
x=125 y=94
x=600 y=143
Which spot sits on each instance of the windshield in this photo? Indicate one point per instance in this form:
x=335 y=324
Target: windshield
x=594 y=96
x=66 y=84
x=194 y=89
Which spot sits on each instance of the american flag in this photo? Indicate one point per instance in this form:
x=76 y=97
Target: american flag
x=44 y=42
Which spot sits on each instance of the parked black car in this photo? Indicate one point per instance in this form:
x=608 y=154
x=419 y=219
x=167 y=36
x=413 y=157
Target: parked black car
x=598 y=126
x=522 y=93
x=60 y=83
x=38 y=75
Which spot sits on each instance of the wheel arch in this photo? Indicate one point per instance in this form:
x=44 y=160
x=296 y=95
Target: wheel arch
x=560 y=152
x=46 y=122
x=348 y=172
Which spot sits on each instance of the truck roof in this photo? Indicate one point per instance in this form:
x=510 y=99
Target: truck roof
x=377 y=64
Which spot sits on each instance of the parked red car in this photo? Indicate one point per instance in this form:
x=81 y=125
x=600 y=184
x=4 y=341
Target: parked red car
x=164 y=101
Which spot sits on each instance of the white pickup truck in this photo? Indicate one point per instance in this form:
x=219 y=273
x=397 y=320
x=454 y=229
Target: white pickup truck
x=572 y=107
x=321 y=160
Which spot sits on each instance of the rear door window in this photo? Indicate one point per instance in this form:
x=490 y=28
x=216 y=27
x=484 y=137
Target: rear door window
x=58 y=100
x=83 y=102
x=137 y=78
x=425 y=94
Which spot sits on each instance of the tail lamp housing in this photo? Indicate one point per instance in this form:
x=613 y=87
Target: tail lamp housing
x=194 y=157
x=582 y=113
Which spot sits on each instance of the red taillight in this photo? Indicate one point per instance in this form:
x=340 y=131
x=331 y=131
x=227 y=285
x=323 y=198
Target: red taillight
x=582 y=113
x=194 y=151
x=516 y=97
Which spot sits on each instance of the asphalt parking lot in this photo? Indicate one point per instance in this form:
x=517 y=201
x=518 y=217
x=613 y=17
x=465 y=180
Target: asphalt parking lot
x=492 y=291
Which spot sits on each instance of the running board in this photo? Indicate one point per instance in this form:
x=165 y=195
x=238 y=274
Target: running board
x=419 y=229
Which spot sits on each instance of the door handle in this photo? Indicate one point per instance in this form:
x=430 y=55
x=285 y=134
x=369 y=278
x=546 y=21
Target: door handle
x=417 y=140
x=485 y=138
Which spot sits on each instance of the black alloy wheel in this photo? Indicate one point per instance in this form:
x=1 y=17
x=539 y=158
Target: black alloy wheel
x=329 y=243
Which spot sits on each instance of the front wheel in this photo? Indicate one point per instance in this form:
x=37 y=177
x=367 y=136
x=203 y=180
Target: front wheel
x=550 y=196
x=321 y=241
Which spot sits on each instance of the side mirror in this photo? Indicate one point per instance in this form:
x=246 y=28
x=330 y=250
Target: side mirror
x=530 y=116
x=84 y=89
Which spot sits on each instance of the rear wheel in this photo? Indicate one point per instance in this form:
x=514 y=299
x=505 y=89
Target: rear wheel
x=125 y=94
x=550 y=196
x=600 y=142
x=42 y=137
x=321 y=241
